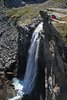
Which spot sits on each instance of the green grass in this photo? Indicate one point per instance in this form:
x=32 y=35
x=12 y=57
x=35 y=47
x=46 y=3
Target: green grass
x=62 y=27
x=58 y=0
x=28 y=13
x=24 y=14
x=62 y=30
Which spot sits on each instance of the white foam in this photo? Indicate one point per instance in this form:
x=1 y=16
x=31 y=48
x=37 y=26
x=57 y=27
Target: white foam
x=16 y=98
x=16 y=84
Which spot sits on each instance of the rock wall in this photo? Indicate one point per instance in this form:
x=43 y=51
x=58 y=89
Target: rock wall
x=8 y=41
x=54 y=52
x=14 y=45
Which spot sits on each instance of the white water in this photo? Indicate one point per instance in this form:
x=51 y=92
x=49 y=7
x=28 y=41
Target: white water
x=26 y=85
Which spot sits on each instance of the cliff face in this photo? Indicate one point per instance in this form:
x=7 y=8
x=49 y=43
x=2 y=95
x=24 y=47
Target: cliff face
x=54 y=53
x=14 y=42
x=8 y=40
x=14 y=45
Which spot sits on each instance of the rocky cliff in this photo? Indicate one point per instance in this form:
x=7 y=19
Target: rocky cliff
x=14 y=45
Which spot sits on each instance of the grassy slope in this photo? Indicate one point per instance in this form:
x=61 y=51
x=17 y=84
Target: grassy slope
x=29 y=12
x=62 y=28
x=58 y=0
x=24 y=14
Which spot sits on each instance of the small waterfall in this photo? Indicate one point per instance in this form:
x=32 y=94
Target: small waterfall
x=26 y=85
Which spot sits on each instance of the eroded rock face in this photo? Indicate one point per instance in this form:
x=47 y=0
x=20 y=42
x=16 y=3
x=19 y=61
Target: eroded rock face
x=10 y=45
x=8 y=42
x=54 y=51
x=8 y=50
x=14 y=45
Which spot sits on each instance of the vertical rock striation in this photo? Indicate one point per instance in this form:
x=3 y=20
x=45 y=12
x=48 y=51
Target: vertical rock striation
x=54 y=56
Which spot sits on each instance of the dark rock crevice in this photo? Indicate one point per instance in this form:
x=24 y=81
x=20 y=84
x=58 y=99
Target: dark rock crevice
x=23 y=46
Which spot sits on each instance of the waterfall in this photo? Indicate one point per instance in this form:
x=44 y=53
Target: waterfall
x=26 y=85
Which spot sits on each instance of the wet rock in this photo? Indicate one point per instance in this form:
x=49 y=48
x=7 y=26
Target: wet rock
x=24 y=38
x=35 y=23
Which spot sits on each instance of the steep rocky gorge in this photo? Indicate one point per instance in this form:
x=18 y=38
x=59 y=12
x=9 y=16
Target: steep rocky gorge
x=14 y=45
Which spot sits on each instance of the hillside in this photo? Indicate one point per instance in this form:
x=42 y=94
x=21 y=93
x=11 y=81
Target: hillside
x=30 y=12
x=47 y=48
x=31 y=9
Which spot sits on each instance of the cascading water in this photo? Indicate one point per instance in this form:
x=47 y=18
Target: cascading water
x=26 y=85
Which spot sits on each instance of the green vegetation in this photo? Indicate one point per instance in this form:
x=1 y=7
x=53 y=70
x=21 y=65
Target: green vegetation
x=24 y=14
x=29 y=12
x=63 y=30
x=58 y=0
